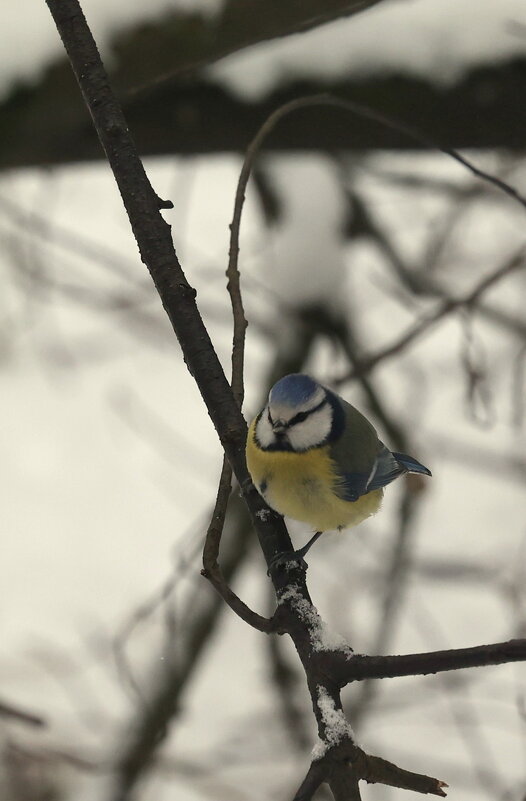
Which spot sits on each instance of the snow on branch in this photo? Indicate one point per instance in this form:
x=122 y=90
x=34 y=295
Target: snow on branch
x=320 y=635
x=336 y=728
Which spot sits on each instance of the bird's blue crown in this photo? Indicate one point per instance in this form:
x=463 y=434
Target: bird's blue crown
x=293 y=390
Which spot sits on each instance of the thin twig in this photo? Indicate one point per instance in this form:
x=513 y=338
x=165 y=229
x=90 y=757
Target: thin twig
x=217 y=520
x=21 y=715
x=446 y=308
x=264 y=624
x=238 y=26
x=77 y=243
x=449 y=305
x=234 y=289
x=420 y=281
x=384 y=120
x=211 y=569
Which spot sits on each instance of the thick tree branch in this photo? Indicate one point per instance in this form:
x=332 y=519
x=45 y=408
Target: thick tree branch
x=375 y=769
x=343 y=765
x=316 y=775
x=382 y=667
x=344 y=784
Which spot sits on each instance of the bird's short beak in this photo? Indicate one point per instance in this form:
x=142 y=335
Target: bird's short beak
x=279 y=426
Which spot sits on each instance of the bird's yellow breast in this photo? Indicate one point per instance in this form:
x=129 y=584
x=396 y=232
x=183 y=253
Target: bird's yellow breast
x=302 y=486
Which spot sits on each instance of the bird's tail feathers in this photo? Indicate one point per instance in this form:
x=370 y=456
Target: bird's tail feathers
x=410 y=464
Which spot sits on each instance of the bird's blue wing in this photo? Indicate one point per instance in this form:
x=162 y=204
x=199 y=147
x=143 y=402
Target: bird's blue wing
x=411 y=465
x=362 y=462
x=352 y=486
x=387 y=467
x=354 y=453
x=391 y=465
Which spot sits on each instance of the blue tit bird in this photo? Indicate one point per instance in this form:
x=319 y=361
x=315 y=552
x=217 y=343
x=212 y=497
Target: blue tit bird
x=317 y=459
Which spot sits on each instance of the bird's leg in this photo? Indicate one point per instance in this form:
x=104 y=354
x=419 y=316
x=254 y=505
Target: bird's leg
x=294 y=556
x=302 y=551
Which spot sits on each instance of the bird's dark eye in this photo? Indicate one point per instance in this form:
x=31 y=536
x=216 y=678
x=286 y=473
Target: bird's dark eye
x=299 y=418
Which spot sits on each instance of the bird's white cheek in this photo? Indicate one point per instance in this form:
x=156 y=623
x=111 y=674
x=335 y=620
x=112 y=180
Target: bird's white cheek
x=264 y=432
x=311 y=432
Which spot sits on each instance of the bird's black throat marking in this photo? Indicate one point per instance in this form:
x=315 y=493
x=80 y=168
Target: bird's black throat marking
x=337 y=427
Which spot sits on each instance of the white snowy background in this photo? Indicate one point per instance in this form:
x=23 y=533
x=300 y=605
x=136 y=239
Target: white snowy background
x=109 y=461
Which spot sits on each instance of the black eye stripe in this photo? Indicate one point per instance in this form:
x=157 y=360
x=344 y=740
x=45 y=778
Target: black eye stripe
x=298 y=418
x=301 y=416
